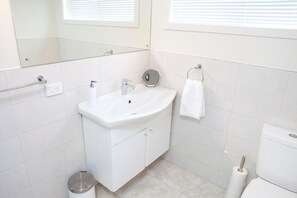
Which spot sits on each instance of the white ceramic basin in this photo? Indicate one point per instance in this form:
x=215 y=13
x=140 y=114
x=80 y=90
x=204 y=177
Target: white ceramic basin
x=115 y=109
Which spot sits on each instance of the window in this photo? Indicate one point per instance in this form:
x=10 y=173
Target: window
x=275 y=14
x=101 y=11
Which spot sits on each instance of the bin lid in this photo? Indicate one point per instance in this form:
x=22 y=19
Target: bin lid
x=81 y=182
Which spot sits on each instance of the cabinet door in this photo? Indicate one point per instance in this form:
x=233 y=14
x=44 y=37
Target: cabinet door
x=128 y=159
x=158 y=138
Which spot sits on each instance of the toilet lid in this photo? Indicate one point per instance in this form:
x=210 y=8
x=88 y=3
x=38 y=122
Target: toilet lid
x=259 y=188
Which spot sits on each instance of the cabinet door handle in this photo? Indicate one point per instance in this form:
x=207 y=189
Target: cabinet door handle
x=151 y=130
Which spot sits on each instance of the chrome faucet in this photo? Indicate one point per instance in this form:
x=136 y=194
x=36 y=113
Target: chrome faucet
x=126 y=84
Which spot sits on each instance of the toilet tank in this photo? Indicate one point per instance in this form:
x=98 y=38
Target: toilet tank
x=277 y=158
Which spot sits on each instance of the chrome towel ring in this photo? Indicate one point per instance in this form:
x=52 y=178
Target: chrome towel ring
x=198 y=67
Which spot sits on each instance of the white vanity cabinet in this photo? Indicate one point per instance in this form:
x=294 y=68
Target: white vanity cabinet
x=158 y=139
x=116 y=155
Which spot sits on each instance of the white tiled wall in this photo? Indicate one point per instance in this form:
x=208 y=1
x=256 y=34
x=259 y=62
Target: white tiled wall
x=41 y=142
x=240 y=99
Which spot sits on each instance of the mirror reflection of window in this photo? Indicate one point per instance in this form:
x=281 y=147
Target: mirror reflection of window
x=98 y=10
x=101 y=12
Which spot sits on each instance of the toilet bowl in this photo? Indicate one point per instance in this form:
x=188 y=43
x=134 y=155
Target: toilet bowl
x=276 y=165
x=259 y=188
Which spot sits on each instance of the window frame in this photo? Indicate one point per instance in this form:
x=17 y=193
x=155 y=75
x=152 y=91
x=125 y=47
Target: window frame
x=134 y=24
x=225 y=29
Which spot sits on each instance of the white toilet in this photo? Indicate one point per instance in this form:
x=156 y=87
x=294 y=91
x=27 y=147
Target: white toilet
x=276 y=166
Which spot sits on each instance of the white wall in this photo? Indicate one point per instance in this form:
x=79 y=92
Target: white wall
x=34 y=18
x=8 y=48
x=268 y=52
x=41 y=142
x=246 y=85
x=240 y=98
x=122 y=36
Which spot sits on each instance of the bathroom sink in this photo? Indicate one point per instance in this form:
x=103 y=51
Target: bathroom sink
x=115 y=109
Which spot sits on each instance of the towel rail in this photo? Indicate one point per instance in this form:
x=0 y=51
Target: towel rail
x=40 y=80
x=198 y=67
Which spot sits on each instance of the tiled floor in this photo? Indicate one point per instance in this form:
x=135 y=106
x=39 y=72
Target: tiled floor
x=163 y=179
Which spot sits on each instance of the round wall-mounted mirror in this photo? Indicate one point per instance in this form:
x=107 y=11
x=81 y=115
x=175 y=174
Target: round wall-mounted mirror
x=151 y=78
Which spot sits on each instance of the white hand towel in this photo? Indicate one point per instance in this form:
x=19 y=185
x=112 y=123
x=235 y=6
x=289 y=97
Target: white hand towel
x=192 y=101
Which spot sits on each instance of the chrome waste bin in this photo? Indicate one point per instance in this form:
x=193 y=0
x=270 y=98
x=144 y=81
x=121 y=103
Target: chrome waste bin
x=81 y=185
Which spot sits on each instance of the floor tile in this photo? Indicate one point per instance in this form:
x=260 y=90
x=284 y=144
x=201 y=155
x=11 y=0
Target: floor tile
x=175 y=177
x=149 y=187
x=130 y=184
x=163 y=179
x=102 y=192
x=201 y=188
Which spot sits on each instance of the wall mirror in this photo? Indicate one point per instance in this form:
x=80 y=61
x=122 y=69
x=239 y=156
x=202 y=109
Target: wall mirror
x=51 y=31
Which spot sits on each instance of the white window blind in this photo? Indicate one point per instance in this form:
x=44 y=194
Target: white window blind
x=100 y=10
x=245 y=13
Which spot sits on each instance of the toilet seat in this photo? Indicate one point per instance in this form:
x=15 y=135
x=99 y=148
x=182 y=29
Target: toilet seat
x=259 y=188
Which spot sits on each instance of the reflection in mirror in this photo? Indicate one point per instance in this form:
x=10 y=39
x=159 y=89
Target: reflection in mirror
x=50 y=31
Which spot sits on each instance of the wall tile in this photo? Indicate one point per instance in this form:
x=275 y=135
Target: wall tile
x=216 y=118
x=176 y=157
x=179 y=143
x=256 y=105
x=173 y=82
x=209 y=156
x=13 y=181
x=38 y=112
x=219 y=96
x=220 y=72
x=223 y=180
x=80 y=165
x=178 y=65
x=79 y=73
x=73 y=151
x=50 y=162
x=182 y=125
x=240 y=99
x=123 y=65
x=288 y=114
x=55 y=185
x=246 y=127
x=49 y=129
x=197 y=151
x=210 y=137
x=158 y=61
x=50 y=136
x=136 y=62
x=266 y=81
x=24 y=76
x=26 y=193
x=74 y=97
x=238 y=147
x=10 y=153
x=291 y=91
x=45 y=165
x=4 y=97
x=180 y=159
x=112 y=67
x=110 y=86
x=202 y=170
x=7 y=123
x=195 y=132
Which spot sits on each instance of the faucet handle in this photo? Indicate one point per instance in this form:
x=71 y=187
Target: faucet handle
x=125 y=81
